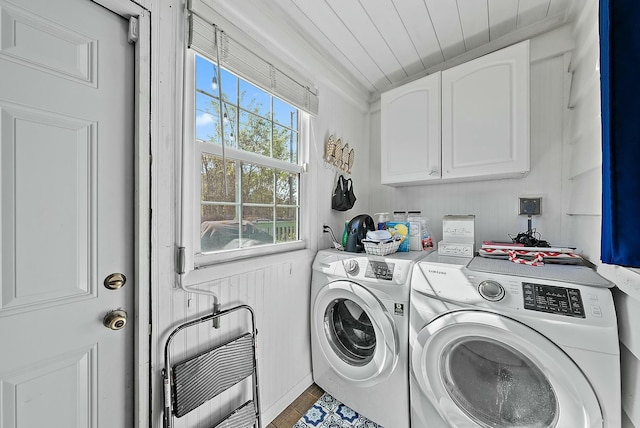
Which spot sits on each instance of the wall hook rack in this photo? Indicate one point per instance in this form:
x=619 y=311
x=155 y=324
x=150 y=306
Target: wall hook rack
x=339 y=156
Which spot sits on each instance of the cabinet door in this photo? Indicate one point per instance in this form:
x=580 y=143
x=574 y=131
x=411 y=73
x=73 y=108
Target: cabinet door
x=410 y=132
x=485 y=116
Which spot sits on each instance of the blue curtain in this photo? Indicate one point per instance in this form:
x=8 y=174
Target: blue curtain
x=620 y=98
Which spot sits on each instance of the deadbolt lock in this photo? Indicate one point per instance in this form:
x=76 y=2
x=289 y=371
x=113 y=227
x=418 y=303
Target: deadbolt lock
x=115 y=281
x=115 y=320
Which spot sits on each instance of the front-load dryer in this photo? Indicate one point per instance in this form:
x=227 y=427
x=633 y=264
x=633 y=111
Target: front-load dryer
x=499 y=344
x=360 y=331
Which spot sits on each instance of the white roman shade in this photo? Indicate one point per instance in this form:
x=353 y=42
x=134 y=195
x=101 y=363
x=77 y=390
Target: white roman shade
x=235 y=57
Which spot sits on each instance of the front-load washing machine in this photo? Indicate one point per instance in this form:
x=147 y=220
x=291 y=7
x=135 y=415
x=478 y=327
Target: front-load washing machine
x=499 y=344
x=360 y=331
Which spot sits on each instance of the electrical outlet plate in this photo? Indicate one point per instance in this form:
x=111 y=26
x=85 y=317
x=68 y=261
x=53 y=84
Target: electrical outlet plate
x=530 y=206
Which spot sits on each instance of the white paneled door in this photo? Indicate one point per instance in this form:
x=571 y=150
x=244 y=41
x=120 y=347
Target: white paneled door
x=66 y=157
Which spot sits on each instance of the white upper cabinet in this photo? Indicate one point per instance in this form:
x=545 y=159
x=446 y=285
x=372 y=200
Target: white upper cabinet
x=469 y=122
x=410 y=132
x=485 y=116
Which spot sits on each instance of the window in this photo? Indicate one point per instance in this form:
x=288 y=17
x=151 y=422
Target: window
x=246 y=126
x=247 y=164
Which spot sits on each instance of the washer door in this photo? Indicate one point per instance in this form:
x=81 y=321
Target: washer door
x=356 y=333
x=481 y=369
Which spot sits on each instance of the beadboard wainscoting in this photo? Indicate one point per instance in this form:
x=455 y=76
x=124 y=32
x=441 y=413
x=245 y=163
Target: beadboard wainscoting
x=278 y=291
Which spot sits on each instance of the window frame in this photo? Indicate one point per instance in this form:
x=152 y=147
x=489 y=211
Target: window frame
x=192 y=151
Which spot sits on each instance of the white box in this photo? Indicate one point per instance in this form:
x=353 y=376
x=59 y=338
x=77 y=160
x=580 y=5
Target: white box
x=459 y=228
x=458 y=249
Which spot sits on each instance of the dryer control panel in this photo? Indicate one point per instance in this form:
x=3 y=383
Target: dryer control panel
x=553 y=299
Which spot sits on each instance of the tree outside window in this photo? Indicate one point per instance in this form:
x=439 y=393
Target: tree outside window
x=251 y=197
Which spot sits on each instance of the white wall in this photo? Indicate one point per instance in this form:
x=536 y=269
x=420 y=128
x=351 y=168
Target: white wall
x=583 y=152
x=564 y=160
x=495 y=202
x=277 y=287
x=583 y=158
x=352 y=126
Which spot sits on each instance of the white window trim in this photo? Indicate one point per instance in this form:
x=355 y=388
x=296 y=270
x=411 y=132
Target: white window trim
x=242 y=155
x=190 y=179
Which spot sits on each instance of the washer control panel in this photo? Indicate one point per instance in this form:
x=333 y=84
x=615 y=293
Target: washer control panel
x=553 y=299
x=379 y=270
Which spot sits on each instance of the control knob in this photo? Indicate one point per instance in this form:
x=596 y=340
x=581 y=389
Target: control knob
x=491 y=290
x=351 y=266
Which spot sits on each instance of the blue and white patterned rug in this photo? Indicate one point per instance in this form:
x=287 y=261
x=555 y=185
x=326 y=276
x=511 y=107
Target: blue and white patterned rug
x=330 y=413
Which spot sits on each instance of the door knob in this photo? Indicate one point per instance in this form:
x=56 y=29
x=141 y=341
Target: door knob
x=115 y=320
x=115 y=281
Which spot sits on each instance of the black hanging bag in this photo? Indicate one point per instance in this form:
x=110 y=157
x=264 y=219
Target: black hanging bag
x=343 y=197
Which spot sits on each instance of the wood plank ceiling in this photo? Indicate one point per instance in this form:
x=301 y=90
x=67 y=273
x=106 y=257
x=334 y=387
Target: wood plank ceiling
x=383 y=43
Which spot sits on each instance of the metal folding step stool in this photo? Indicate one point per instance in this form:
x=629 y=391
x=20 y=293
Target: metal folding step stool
x=198 y=379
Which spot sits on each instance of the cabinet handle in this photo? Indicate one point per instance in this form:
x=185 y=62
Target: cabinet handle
x=433 y=171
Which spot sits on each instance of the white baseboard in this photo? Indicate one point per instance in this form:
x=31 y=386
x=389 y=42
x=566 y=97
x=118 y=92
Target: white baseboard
x=268 y=415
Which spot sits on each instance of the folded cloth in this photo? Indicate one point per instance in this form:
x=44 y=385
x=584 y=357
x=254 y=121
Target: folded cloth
x=378 y=235
x=543 y=253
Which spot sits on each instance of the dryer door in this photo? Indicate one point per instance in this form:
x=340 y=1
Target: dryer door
x=481 y=369
x=355 y=331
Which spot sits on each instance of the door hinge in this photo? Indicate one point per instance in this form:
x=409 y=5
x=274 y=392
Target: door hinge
x=133 y=29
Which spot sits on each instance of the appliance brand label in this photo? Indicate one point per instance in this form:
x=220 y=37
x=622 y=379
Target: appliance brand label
x=398 y=309
x=438 y=272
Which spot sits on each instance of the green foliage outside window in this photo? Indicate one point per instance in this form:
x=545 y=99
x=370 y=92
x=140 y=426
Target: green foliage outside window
x=256 y=204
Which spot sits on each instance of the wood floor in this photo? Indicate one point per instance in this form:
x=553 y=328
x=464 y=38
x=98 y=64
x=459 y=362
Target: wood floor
x=299 y=407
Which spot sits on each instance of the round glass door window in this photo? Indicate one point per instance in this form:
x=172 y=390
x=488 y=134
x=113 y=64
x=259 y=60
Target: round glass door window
x=350 y=332
x=497 y=386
